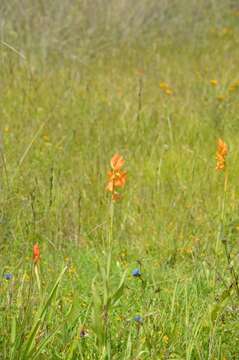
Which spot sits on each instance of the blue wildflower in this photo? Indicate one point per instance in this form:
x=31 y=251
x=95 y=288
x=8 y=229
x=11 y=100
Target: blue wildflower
x=138 y=319
x=8 y=276
x=136 y=273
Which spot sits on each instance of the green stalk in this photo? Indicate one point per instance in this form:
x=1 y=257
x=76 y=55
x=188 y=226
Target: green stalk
x=221 y=238
x=221 y=223
x=111 y=225
x=37 y=277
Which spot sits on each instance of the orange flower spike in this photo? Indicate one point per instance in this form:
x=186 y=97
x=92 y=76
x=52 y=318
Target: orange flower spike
x=117 y=178
x=36 y=253
x=222 y=151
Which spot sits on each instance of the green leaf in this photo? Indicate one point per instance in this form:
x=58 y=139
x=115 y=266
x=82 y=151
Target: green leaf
x=119 y=292
x=13 y=337
x=40 y=318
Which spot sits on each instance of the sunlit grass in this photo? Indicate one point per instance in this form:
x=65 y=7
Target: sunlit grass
x=162 y=107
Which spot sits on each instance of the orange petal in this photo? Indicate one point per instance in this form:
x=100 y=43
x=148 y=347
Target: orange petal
x=117 y=162
x=120 y=180
x=110 y=186
x=111 y=175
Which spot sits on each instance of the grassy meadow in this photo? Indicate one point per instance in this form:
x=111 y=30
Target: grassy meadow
x=154 y=274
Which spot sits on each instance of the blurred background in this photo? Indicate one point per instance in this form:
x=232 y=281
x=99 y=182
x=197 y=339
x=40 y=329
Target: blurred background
x=69 y=28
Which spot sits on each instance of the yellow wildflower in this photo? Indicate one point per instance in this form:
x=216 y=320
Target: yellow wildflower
x=164 y=86
x=46 y=138
x=214 y=82
x=220 y=97
x=165 y=339
x=169 y=92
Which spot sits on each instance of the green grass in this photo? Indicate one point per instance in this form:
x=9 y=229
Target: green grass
x=61 y=122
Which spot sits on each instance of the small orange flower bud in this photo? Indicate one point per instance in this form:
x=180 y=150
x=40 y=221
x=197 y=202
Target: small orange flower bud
x=36 y=253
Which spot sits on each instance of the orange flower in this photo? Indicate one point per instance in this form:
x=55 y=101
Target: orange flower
x=222 y=151
x=117 y=178
x=36 y=253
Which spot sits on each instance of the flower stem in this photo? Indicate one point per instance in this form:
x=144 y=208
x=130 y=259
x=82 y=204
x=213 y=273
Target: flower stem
x=37 y=277
x=221 y=237
x=111 y=224
x=221 y=222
